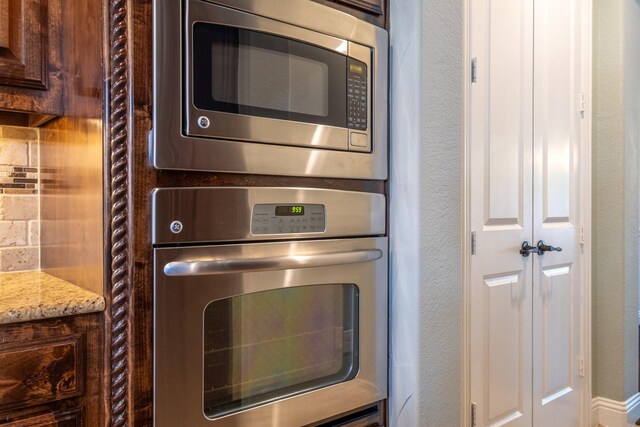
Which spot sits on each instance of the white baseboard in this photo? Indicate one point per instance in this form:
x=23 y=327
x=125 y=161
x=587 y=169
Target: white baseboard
x=611 y=413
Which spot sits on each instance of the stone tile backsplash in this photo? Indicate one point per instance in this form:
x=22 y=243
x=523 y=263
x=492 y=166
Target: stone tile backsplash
x=19 y=187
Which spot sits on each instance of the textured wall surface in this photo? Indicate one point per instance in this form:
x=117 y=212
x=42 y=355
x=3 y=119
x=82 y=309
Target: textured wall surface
x=632 y=177
x=615 y=198
x=19 y=225
x=426 y=212
x=404 y=221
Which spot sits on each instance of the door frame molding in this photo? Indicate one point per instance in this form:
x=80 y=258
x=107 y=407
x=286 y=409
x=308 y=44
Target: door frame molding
x=585 y=202
x=465 y=408
x=585 y=197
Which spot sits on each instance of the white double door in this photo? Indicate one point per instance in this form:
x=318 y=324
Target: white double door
x=526 y=125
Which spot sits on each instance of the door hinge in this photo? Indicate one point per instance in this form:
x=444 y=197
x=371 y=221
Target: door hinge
x=473 y=415
x=474 y=70
x=583 y=103
x=581 y=366
x=473 y=243
x=581 y=237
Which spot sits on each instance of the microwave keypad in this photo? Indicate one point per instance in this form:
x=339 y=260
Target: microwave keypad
x=356 y=95
x=287 y=218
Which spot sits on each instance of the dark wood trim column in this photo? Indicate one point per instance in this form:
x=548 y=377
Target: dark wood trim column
x=119 y=137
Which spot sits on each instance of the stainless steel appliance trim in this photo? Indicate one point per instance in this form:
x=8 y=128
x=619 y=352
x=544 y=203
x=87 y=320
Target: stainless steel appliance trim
x=252 y=128
x=217 y=266
x=268 y=131
x=170 y=149
x=347 y=213
x=313 y=16
x=209 y=12
x=179 y=304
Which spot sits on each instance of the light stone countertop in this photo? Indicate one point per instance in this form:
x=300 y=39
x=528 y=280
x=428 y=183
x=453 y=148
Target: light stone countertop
x=34 y=295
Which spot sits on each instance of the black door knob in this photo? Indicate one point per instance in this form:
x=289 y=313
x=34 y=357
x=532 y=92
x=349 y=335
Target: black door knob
x=527 y=249
x=543 y=247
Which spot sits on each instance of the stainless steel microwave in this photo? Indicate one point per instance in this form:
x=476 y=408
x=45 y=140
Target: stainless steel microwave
x=277 y=87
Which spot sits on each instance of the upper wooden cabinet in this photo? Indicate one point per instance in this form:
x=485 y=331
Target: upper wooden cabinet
x=23 y=43
x=30 y=61
x=373 y=11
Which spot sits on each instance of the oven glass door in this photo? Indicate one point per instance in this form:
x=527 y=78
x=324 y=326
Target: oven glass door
x=263 y=334
x=274 y=344
x=242 y=71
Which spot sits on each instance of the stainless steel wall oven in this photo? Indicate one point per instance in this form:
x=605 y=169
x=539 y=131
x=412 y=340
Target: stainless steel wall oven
x=240 y=85
x=270 y=305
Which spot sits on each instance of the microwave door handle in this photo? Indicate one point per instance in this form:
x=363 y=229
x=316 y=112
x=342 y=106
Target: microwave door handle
x=242 y=265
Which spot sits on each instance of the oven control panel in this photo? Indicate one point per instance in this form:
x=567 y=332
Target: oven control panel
x=287 y=219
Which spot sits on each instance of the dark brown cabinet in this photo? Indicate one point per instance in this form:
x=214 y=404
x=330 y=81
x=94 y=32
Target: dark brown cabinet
x=70 y=418
x=23 y=43
x=50 y=372
x=30 y=87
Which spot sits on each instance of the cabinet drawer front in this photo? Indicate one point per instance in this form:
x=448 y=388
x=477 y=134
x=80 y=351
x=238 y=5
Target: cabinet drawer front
x=71 y=418
x=40 y=372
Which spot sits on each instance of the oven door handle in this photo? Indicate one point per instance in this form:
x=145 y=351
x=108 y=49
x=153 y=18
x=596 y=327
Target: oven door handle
x=226 y=266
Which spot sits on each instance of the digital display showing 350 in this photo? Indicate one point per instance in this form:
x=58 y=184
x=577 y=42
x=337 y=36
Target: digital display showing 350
x=289 y=210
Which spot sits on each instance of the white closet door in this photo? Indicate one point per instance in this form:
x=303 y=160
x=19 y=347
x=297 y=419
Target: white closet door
x=501 y=211
x=557 y=313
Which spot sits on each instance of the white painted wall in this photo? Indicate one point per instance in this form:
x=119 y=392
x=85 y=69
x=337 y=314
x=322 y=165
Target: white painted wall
x=426 y=212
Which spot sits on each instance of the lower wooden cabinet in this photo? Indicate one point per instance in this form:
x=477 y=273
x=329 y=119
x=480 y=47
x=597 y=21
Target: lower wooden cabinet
x=70 y=418
x=50 y=373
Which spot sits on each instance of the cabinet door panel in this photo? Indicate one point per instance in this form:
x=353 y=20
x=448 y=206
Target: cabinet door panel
x=23 y=43
x=40 y=372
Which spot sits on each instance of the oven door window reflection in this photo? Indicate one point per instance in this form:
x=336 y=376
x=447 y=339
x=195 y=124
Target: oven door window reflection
x=268 y=345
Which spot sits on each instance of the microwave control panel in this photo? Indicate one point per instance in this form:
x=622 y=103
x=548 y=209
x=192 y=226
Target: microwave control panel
x=356 y=94
x=287 y=219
